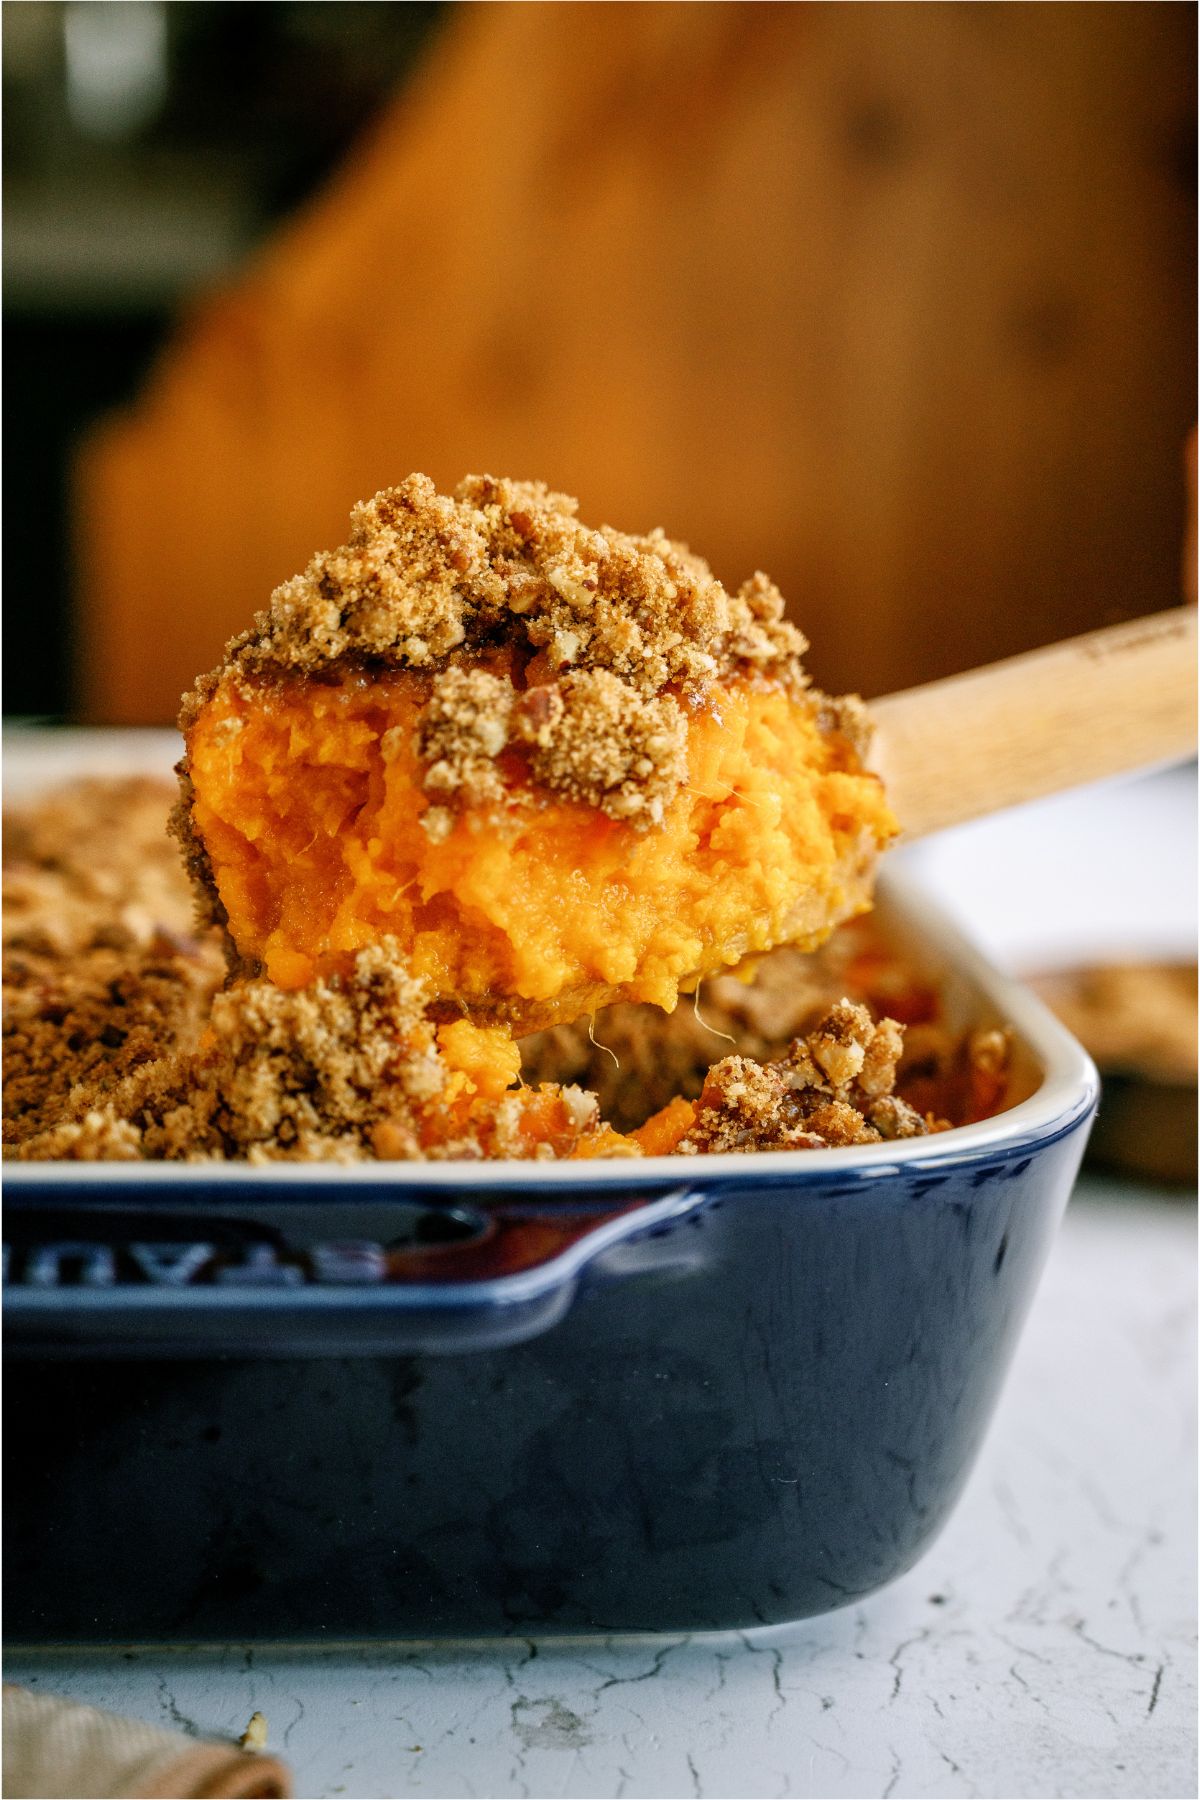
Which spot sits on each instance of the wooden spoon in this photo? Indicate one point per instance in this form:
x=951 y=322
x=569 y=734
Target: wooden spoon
x=1107 y=703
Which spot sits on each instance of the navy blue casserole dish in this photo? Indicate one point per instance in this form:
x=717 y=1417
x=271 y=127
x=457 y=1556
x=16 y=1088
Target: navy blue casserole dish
x=421 y=1400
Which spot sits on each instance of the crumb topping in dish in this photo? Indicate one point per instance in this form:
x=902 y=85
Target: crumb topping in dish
x=834 y=1086
x=125 y=1047
x=76 y=1027
x=90 y=866
x=342 y=1071
x=354 y=1070
x=294 y=1075
x=102 y=966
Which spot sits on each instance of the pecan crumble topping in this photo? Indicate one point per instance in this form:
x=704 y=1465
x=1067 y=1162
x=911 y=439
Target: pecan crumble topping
x=102 y=968
x=613 y=634
x=834 y=1087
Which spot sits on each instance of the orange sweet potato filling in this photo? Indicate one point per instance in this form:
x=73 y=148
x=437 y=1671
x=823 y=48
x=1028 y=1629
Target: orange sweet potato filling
x=484 y=1066
x=664 y=1129
x=308 y=799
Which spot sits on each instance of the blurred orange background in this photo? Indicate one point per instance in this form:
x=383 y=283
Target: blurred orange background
x=894 y=302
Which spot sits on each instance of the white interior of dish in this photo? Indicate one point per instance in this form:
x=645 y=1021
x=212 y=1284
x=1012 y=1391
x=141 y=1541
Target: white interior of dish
x=1052 y=1074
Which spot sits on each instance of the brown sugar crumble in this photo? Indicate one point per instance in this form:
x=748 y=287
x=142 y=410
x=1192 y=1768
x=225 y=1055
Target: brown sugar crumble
x=426 y=573
x=298 y=1076
x=343 y=1071
x=102 y=967
x=76 y=1029
x=90 y=864
x=611 y=636
x=833 y=1087
x=594 y=740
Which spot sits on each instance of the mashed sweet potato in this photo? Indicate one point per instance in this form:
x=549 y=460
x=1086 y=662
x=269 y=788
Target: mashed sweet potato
x=309 y=801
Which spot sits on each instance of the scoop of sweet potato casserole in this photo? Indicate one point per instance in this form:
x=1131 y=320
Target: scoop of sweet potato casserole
x=557 y=766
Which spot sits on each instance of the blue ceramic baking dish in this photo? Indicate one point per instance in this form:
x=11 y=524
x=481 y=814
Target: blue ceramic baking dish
x=398 y=1400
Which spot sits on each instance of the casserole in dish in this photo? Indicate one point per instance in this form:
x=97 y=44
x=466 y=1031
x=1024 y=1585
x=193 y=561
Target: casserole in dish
x=464 y=1399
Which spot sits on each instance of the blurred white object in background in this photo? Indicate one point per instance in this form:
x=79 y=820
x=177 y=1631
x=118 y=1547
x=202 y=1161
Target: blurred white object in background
x=1106 y=873
x=116 y=65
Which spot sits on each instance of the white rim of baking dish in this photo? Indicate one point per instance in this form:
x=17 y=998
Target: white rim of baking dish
x=1066 y=1092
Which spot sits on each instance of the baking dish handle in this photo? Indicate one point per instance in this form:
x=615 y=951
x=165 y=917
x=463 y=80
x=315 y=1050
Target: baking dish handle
x=283 y=1281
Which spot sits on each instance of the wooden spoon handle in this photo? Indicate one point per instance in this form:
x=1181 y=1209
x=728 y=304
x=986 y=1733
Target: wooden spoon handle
x=1104 y=704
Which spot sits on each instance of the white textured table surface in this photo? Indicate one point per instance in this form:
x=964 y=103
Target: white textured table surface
x=1045 y=1646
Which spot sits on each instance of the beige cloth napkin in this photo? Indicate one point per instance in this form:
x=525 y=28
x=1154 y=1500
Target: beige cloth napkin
x=57 y=1750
